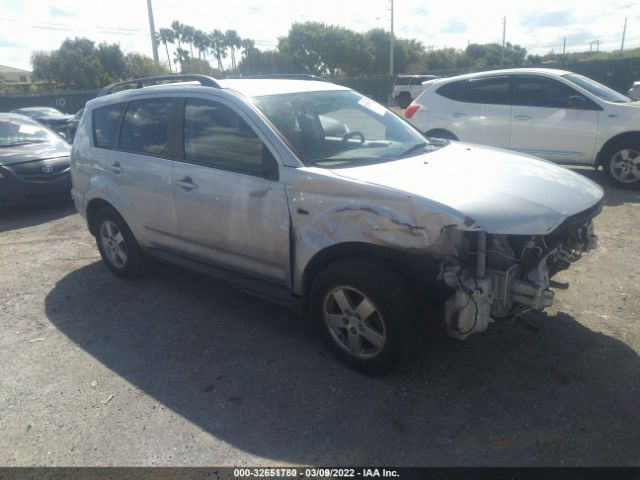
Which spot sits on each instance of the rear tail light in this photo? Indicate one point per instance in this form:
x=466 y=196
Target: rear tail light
x=411 y=109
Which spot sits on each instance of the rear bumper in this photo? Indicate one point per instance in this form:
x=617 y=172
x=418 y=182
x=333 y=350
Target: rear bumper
x=15 y=191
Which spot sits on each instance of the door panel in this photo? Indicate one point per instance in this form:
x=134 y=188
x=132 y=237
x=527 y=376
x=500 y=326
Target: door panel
x=228 y=213
x=480 y=111
x=547 y=123
x=142 y=167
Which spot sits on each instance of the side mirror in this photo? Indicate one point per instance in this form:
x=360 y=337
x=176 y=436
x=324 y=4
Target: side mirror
x=577 y=102
x=270 y=167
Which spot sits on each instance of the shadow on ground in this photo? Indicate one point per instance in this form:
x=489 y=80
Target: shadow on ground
x=14 y=218
x=549 y=392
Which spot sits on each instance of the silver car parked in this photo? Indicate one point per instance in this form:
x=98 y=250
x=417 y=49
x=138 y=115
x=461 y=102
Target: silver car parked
x=315 y=196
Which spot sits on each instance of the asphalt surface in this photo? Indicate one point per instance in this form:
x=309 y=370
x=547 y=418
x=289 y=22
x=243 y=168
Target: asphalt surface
x=178 y=369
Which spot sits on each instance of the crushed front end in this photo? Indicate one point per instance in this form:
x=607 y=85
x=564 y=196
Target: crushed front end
x=497 y=276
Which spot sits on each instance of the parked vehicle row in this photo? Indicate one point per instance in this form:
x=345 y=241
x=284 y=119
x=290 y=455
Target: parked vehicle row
x=553 y=114
x=314 y=196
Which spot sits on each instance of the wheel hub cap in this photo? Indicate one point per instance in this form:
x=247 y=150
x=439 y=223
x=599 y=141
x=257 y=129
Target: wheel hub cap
x=625 y=165
x=113 y=244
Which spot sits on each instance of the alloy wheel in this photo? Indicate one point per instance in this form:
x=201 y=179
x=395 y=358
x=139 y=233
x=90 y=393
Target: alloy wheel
x=113 y=244
x=354 y=322
x=625 y=165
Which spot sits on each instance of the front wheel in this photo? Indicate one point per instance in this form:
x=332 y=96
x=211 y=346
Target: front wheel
x=622 y=165
x=362 y=309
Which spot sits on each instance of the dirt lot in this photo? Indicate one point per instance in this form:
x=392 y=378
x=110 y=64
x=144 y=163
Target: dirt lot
x=177 y=369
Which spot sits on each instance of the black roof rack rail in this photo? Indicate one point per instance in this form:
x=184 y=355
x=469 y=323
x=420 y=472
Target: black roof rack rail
x=204 y=80
x=286 y=76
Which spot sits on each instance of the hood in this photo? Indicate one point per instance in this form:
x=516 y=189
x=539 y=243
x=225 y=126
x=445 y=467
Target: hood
x=35 y=151
x=501 y=191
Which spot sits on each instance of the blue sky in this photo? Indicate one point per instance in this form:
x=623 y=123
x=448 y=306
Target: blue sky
x=538 y=25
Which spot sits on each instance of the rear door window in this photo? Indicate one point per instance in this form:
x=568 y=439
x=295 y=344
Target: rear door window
x=492 y=90
x=145 y=128
x=105 y=125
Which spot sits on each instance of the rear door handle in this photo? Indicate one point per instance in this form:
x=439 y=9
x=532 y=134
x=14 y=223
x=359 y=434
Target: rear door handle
x=115 y=167
x=187 y=183
x=458 y=114
x=522 y=117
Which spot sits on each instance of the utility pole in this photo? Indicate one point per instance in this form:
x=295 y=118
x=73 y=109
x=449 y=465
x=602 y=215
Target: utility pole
x=504 y=33
x=624 y=32
x=391 y=43
x=152 y=31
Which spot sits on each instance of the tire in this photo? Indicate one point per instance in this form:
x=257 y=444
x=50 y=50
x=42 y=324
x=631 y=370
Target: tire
x=404 y=99
x=364 y=314
x=622 y=164
x=118 y=247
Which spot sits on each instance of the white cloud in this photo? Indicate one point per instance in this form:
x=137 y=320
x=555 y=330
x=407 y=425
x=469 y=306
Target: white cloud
x=29 y=25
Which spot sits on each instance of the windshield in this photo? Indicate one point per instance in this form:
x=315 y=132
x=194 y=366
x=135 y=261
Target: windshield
x=22 y=132
x=597 y=89
x=336 y=128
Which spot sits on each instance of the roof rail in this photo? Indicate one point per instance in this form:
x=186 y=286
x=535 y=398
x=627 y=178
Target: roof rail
x=204 y=80
x=287 y=76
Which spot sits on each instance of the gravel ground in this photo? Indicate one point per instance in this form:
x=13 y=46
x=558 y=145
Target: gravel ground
x=177 y=369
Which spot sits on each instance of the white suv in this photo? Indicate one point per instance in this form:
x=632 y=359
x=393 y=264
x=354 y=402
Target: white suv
x=554 y=114
x=314 y=196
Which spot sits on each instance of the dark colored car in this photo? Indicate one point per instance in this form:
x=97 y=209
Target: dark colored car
x=72 y=125
x=34 y=162
x=52 y=118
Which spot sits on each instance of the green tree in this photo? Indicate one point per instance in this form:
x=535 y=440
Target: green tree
x=167 y=36
x=219 y=46
x=201 y=42
x=233 y=41
x=181 y=56
x=177 y=28
x=140 y=66
x=187 y=37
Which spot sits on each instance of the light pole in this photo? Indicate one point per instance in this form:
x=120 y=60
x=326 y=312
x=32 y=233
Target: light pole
x=391 y=44
x=152 y=31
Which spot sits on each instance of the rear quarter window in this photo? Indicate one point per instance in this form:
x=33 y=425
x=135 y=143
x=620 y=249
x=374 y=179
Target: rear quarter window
x=105 y=124
x=450 y=91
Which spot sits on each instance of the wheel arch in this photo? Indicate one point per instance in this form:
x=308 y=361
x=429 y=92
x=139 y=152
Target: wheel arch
x=93 y=207
x=414 y=268
x=621 y=137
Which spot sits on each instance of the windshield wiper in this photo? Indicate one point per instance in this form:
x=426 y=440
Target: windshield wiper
x=412 y=149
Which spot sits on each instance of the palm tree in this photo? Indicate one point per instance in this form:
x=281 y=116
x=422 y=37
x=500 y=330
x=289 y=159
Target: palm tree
x=233 y=41
x=219 y=46
x=167 y=36
x=177 y=28
x=180 y=56
x=187 y=35
x=248 y=49
x=201 y=42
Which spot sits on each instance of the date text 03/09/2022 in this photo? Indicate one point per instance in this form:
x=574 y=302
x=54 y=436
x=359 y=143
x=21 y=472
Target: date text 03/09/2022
x=315 y=472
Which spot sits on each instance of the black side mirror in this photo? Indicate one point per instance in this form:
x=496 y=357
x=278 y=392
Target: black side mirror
x=270 y=168
x=577 y=102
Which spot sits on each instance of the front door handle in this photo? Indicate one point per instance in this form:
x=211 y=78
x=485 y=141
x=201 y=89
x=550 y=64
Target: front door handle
x=187 y=183
x=458 y=114
x=115 y=167
x=522 y=117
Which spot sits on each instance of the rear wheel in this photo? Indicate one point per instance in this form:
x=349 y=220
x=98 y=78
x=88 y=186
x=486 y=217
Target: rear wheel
x=404 y=99
x=117 y=245
x=622 y=164
x=363 y=311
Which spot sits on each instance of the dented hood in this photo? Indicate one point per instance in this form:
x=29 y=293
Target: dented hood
x=503 y=192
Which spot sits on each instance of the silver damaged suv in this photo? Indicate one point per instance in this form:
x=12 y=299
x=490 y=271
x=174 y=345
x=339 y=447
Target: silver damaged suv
x=316 y=197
